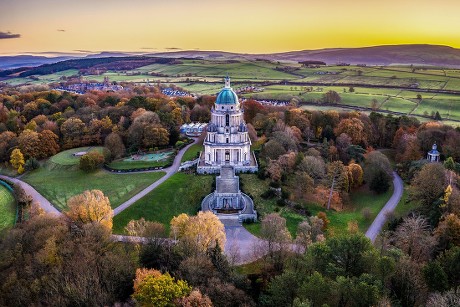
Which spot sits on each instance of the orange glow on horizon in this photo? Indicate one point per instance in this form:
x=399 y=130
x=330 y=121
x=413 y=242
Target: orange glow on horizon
x=234 y=26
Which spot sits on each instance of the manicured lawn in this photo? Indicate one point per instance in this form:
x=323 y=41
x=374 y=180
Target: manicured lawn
x=124 y=165
x=192 y=152
x=60 y=183
x=67 y=157
x=7 y=208
x=182 y=193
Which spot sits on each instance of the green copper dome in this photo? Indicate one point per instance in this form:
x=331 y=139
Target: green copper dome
x=227 y=96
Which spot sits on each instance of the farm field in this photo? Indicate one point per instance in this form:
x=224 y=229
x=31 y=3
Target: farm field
x=181 y=193
x=58 y=184
x=7 y=208
x=201 y=77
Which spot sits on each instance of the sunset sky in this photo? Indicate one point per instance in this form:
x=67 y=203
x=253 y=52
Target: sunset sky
x=252 y=26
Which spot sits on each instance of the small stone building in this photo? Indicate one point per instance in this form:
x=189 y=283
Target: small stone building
x=433 y=154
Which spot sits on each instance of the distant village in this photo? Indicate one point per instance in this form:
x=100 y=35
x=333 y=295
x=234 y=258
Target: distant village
x=83 y=87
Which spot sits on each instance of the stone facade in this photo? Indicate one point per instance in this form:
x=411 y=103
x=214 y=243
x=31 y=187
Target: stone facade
x=227 y=200
x=227 y=140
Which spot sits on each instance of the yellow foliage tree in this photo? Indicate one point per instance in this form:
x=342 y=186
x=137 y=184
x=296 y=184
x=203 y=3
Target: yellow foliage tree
x=17 y=160
x=151 y=288
x=355 y=175
x=90 y=207
x=200 y=232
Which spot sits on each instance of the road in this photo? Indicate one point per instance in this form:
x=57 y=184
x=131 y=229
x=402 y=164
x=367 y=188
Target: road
x=379 y=221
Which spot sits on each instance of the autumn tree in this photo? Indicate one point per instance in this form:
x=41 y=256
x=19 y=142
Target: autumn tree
x=90 y=207
x=155 y=136
x=65 y=267
x=73 y=131
x=355 y=175
x=17 y=160
x=448 y=231
x=152 y=288
x=49 y=143
x=198 y=233
x=314 y=167
x=414 y=238
x=29 y=143
x=428 y=185
x=143 y=228
x=354 y=128
x=310 y=231
x=114 y=144
x=332 y=97
x=336 y=179
x=91 y=161
x=276 y=235
x=8 y=140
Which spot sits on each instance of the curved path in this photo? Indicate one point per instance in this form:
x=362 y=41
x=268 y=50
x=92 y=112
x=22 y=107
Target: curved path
x=44 y=203
x=241 y=246
x=379 y=221
x=169 y=172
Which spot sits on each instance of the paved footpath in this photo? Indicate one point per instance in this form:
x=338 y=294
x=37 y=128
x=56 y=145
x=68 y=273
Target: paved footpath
x=44 y=203
x=379 y=221
x=241 y=246
x=169 y=172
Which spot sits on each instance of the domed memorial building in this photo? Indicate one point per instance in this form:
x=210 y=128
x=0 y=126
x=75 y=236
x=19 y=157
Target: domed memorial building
x=227 y=150
x=227 y=141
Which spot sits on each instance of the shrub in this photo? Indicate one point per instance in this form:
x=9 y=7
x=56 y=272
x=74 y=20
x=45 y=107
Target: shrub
x=179 y=144
x=270 y=193
x=91 y=161
x=31 y=164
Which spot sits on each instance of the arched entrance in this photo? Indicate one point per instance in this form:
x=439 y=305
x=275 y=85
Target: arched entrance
x=227 y=156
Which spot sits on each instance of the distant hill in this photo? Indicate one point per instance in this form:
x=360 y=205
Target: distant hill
x=433 y=55
x=11 y=62
x=379 y=55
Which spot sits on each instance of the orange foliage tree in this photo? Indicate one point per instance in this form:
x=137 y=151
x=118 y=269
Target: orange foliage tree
x=90 y=207
x=199 y=232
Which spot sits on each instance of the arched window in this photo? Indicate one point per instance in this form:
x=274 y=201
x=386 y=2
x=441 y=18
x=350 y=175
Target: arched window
x=227 y=120
x=227 y=140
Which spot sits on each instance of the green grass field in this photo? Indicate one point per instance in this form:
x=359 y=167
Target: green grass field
x=7 y=208
x=67 y=157
x=182 y=193
x=58 y=184
x=209 y=74
x=126 y=165
x=192 y=152
x=360 y=199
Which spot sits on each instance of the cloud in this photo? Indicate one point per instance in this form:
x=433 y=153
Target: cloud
x=148 y=48
x=173 y=48
x=6 y=35
x=60 y=30
x=83 y=51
